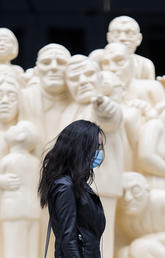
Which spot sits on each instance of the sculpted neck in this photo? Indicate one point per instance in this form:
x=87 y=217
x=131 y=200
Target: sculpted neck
x=55 y=96
x=5 y=126
x=19 y=149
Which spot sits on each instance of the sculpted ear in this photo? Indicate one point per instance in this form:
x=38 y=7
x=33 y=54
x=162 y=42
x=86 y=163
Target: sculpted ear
x=109 y=37
x=35 y=70
x=139 y=39
x=14 y=50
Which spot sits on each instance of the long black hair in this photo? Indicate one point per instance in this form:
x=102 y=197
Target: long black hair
x=72 y=154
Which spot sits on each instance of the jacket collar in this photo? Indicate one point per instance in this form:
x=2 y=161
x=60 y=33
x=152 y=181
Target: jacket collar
x=88 y=188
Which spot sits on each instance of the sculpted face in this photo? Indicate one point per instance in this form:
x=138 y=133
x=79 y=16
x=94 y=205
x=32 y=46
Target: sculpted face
x=8 y=45
x=51 y=65
x=112 y=86
x=117 y=59
x=135 y=194
x=8 y=102
x=83 y=79
x=125 y=30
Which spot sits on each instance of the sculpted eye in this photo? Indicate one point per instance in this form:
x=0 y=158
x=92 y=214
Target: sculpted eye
x=45 y=61
x=61 y=61
x=12 y=96
x=89 y=73
x=130 y=32
x=136 y=190
x=105 y=62
x=120 y=61
x=73 y=78
x=116 y=32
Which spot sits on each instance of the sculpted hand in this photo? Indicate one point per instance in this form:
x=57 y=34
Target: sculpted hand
x=142 y=105
x=103 y=106
x=9 y=182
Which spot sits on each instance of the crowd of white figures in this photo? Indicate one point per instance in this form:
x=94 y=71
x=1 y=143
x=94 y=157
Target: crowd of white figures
x=115 y=88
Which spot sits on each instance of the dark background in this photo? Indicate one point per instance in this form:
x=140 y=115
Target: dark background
x=81 y=25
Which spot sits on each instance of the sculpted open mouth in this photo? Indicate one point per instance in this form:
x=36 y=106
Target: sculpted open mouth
x=4 y=109
x=85 y=89
x=55 y=77
x=2 y=49
x=127 y=43
x=130 y=205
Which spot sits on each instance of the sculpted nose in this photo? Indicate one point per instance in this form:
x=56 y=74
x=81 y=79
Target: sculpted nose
x=54 y=65
x=2 y=42
x=113 y=67
x=128 y=196
x=82 y=79
x=122 y=36
x=4 y=99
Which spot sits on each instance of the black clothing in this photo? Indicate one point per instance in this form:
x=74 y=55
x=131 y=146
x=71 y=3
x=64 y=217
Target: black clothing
x=77 y=223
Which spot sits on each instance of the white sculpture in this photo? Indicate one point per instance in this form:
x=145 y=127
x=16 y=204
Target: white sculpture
x=112 y=86
x=10 y=109
x=19 y=207
x=140 y=222
x=117 y=59
x=9 y=51
x=151 y=154
x=83 y=79
x=121 y=96
x=125 y=30
x=44 y=103
x=132 y=118
x=30 y=77
x=10 y=106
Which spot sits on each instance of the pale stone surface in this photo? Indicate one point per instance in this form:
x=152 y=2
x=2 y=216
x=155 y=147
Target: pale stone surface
x=125 y=30
x=10 y=106
x=8 y=52
x=151 y=152
x=45 y=102
x=117 y=59
x=19 y=204
x=140 y=219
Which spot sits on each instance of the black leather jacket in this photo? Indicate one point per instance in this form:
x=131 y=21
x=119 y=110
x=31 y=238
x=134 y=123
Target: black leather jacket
x=77 y=223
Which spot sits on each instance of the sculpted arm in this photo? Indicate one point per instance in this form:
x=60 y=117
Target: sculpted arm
x=108 y=113
x=149 y=158
x=9 y=182
x=157 y=93
x=149 y=71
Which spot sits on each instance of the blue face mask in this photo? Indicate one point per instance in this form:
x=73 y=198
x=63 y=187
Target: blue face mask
x=97 y=159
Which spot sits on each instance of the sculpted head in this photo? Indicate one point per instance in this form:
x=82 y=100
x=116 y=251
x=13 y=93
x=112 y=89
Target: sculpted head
x=9 y=98
x=23 y=134
x=83 y=78
x=50 y=66
x=8 y=45
x=116 y=59
x=135 y=193
x=126 y=30
x=112 y=86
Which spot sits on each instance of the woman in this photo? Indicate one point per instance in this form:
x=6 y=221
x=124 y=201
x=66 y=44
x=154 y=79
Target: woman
x=76 y=213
